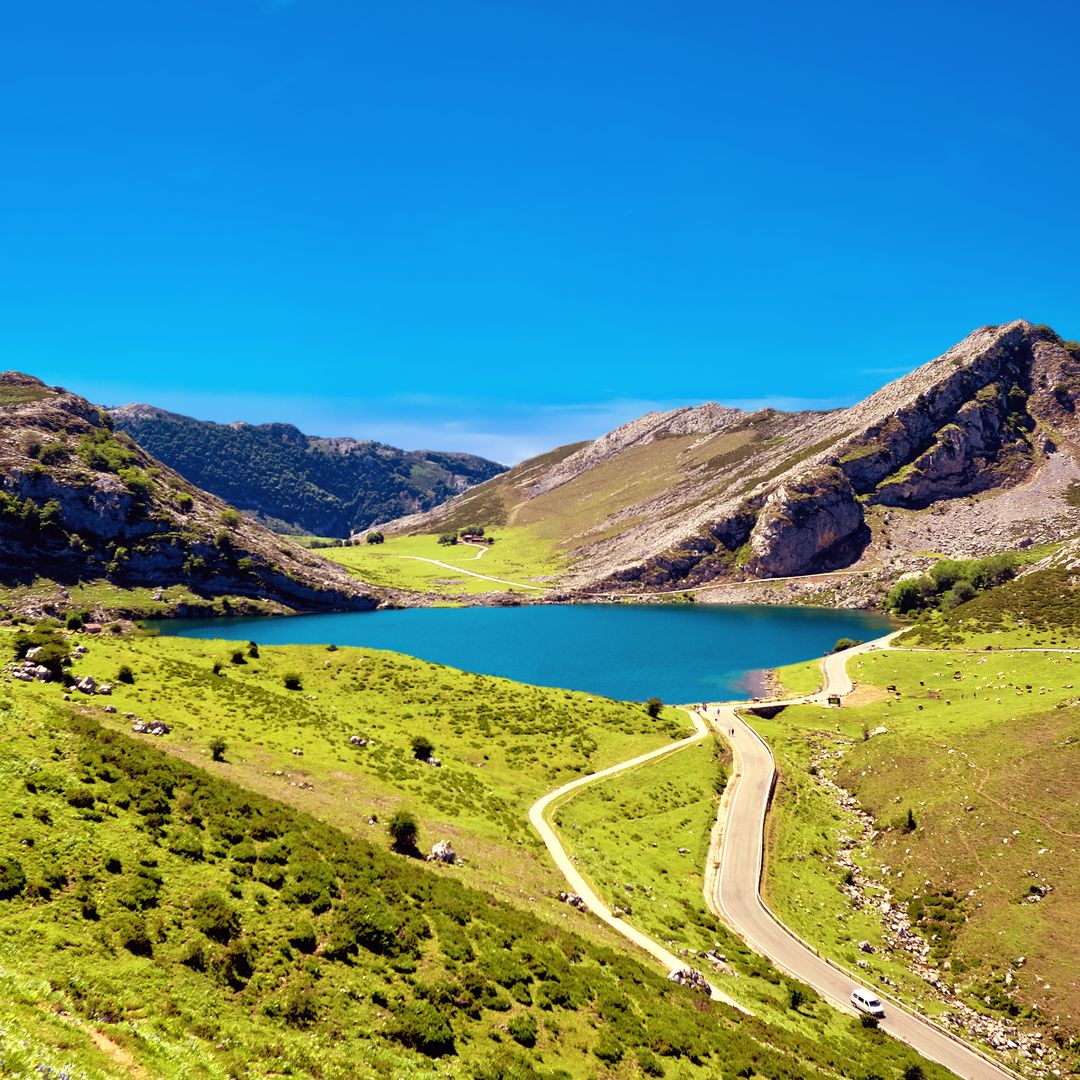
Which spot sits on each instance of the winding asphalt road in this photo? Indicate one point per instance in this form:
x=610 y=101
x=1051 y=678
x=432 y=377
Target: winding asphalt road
x=733 y=874
x=579 y=885
x=733 y=882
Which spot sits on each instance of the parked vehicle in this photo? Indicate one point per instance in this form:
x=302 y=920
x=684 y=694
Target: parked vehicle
x=866 y=1002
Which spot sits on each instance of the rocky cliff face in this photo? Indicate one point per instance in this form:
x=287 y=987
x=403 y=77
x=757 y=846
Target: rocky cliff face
x=712 y=494
x=79 y=501
x=982 y=417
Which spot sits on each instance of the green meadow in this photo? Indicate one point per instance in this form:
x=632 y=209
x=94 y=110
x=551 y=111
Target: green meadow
x=978 y=746
x=642 y=839
x=166 y=915
x=518 y=556
x=501 y=744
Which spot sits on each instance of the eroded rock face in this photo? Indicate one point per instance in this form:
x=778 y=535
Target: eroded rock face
x=83 y=502
x=802 y=522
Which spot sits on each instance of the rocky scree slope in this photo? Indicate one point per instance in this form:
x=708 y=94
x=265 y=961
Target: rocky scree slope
x=711 y=494
x=298 y=483
x=79 y=501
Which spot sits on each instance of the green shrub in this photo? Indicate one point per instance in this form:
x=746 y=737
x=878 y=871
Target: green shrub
x=421 y=1027
x=653 y=707
x=607 y=1049
x=132 y=935
x=403 y=831
x=125 y=675
x=422 y=747
x=292 y=681
x=214 y=917
x=302 y=936
x=12 y=878
x=188 y=844
x=523 y=1029
x=218 y=747
x=649 y=1063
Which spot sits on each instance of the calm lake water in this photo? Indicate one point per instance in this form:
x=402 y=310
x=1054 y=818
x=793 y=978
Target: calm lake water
x=680 y=653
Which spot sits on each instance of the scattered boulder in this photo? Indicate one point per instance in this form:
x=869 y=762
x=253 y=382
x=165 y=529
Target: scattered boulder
x=691 y=978
x=573 y=900
x=105 y=689
x=865 y=946
x=150 y=727
x=442 y=852
x=86 y=684
x=433 y=761
x=358 y=740
x=34 y=653
x=297 y=752
x=110 y=708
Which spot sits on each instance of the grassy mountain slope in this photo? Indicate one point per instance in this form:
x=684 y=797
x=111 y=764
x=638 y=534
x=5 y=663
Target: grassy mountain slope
x=160 y=920
x=974 y=450
x=328 y=487
x=81 y=503
x=969 y=903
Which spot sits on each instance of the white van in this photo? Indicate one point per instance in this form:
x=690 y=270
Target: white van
x=866 y=1002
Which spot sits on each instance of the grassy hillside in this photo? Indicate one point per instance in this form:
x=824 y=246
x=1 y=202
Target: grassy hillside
x=501 y=744
x=159 y=920
x=976 y=744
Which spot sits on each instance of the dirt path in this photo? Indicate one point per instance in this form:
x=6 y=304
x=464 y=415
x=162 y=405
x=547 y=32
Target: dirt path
x=596 y=906
x=470 y=573
x=483 y=548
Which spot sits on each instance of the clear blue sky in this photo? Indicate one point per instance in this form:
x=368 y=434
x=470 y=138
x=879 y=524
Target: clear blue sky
x=501 y=226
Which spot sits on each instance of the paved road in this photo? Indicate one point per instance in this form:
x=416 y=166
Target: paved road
x=734 y=875
x=579 y=885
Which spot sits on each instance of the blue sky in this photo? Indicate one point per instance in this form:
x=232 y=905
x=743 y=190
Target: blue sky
x=503 y=226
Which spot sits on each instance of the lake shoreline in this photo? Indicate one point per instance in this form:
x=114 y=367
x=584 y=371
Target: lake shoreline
x=630 y=652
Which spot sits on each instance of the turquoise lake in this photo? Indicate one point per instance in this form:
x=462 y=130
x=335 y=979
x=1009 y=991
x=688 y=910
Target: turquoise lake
x=680 y=653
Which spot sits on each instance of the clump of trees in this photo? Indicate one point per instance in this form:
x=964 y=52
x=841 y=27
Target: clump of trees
x=422 y=747
x=448 y=539
x=949 y=583
x=653 y=707
x=403 y=831
x=375 y=538
x=846 y=643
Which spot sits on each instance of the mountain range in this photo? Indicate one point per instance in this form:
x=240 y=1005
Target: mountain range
x=300 y=483
x=81 y=502
x=973 y=452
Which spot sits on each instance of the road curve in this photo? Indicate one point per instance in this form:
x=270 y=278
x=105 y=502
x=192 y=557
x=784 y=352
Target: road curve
x=733 y=882
x=579 y=885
